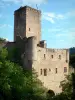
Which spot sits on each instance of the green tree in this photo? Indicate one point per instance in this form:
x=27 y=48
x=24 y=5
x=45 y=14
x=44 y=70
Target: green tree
x=67 y=87
x=17 y=83
x=2 y=40
x=72 y=60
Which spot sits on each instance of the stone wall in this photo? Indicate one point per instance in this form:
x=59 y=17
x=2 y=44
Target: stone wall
x=33 y=23
x=27 y=23
x=54 y=67
x=51 y=65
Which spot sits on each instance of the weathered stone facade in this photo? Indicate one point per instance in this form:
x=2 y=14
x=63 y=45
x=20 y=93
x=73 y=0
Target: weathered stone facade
x=27 y=23
x=51 y=64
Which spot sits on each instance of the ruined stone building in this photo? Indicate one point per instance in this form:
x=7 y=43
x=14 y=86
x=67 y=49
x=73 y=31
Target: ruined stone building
x=51 y=65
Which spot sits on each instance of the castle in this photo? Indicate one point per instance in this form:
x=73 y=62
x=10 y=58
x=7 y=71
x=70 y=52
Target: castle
x=51 y=65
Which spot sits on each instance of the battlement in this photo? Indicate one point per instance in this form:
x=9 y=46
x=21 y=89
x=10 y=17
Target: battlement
x=56 y=50
x=27 y=8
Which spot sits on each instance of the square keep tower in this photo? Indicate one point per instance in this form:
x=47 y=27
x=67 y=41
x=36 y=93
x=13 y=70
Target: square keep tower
x=27 y=23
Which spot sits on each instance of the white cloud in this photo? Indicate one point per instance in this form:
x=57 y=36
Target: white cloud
x=60 y=35
x=34 y=1
x=12 y=1
x=26 y=2
x=3 y=4
x=50 y=19
x=60 y=16
x=51 y=16
x=55 y=30
x=71 y=13
x=5 y=25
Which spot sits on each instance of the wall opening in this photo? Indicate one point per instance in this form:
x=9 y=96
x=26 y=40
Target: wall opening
x=44 y=56
x=50 y=93
x=40 y=71
x=66 y=61
x=65 y=69
x=49 y=69
x=56 y=70
x=51 y=56
x=45 y=72
x=59 y=56
x=29 y=29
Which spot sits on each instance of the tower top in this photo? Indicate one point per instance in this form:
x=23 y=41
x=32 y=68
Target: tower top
x=27 y=7
x=27 y=23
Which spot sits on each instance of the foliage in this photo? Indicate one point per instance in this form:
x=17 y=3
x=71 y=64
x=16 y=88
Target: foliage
x=67 y=84
x=50 y=94
x=67 y=90
x=72 y=60
x=2 y=40
x=67 y=87
x=16 y=83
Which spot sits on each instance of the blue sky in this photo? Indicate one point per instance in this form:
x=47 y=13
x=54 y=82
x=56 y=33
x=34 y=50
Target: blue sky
x=57 y=20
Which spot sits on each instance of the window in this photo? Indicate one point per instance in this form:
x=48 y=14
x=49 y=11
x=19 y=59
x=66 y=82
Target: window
x=41 y=71
x=45 y=72
x=49 y=69
x=44 y=56
x=65 y=69
x=29 y=29
x=66 y=61
x=59 y=56
x=56 y=70
x=51 y=56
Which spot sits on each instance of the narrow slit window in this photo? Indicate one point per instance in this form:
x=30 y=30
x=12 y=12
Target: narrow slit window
x=66 y=61
x=51 y=56
x=41 y=71
x=44 y=56
x=49 y=69
x=29 y=29
x=56 y=70
x=59 y=56
x=45 y=72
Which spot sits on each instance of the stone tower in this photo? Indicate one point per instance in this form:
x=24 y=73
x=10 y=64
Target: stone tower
x=27 y=23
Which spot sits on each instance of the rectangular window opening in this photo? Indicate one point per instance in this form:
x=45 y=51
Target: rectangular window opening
x=59 y=56
x=41 y=71
x=65 y=69
x=56 y=70
x=51 y=56
x=29 y=29
x=45 y=72
x=44 y=56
